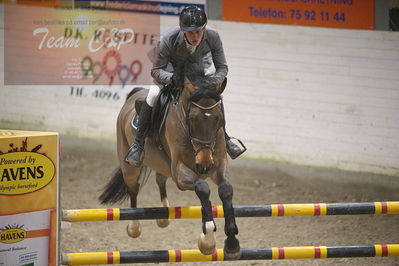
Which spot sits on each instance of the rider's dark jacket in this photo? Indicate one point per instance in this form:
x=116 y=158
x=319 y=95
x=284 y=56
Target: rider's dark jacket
x=172 y=49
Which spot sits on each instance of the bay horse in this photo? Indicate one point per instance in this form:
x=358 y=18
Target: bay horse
x=193 y=140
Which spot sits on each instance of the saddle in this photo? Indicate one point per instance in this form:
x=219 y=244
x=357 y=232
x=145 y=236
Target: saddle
x=159 y=112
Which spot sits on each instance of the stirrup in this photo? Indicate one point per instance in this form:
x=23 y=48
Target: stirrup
x=242 y=148
x=135 y=148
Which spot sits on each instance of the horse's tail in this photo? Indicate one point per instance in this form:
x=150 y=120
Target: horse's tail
x=137 y=89
x=116 y=189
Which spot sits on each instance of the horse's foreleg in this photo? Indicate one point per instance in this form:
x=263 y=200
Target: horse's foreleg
x=188 y=180
x=207 y=241
x=231 y=244
x=161 y=181
x=134 y=228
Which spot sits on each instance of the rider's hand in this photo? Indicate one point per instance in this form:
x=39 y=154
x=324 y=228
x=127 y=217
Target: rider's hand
x=209 y=81
x=214 y=79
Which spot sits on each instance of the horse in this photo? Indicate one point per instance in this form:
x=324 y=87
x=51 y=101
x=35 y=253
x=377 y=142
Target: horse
x=193 y=149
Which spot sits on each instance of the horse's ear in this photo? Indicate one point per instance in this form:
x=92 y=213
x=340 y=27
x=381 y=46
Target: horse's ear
x=189 y=86
x=220 y=88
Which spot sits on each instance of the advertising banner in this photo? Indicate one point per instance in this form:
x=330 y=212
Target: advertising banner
x=349 y=14
x=48 y=3
x=162 y=7
x=28 y=198
x=46 y=46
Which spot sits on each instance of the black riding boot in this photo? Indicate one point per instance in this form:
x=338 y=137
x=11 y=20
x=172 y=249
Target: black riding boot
x=135 y=155
x=232 y=149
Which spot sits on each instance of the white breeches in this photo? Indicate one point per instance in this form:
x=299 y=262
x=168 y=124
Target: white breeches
x=152 y=95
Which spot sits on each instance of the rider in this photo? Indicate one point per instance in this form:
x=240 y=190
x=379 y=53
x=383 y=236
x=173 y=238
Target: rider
x=174 y=48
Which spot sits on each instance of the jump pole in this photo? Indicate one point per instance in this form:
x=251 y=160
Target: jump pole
x=194 y=212
x=194 y=255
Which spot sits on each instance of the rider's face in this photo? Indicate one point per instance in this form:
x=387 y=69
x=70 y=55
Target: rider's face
x=194 y=37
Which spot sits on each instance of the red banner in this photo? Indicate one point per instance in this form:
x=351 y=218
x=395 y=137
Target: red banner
x=350 y=14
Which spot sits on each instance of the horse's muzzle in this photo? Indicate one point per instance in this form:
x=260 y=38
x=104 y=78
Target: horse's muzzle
x=203 y=170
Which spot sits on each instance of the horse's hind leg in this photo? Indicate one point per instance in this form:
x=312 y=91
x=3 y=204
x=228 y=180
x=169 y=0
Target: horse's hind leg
x=133 y=228
x=161 y=181
x=130 y=175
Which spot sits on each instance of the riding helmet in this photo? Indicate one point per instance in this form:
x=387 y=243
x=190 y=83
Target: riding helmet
x=192 y=18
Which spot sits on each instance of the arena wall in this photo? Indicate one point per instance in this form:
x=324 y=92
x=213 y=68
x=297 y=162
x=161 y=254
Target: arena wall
x=303 y=95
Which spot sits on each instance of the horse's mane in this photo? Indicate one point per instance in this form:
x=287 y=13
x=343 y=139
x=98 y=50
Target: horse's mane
x=205 y=93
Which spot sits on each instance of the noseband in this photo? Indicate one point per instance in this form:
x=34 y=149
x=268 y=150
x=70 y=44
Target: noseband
x=203 y=144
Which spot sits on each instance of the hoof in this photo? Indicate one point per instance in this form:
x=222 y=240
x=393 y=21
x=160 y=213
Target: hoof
x=207 y=242
x=134 y=232
x=232 y=250
x=163 y=223
x=204 y=247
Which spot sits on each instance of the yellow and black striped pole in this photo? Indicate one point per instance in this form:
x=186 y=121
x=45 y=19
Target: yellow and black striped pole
x=193 y=255
x=194 y=212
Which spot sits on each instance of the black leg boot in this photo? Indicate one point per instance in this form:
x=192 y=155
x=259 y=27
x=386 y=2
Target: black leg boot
x=135 y=155
x=232 y=149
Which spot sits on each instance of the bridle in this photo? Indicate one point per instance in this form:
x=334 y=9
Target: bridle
x=206 y=108
x=203 y=144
